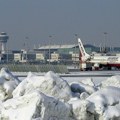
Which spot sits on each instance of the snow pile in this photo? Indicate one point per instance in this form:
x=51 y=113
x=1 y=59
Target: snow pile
x=112 y=81
x=8 y=82
x=106 y=102
x=36 y=105
x=88 y=81
x=7 y=75
x=50 y=97
x=79 y=108
x=50 y=84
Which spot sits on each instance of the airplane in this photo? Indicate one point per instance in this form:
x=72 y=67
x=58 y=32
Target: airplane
x=98 y=62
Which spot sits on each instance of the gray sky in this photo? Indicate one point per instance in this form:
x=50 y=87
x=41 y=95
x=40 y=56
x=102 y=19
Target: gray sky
x=33 y=21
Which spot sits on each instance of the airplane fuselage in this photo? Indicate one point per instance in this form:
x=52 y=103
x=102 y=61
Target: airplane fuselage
x=113 y=61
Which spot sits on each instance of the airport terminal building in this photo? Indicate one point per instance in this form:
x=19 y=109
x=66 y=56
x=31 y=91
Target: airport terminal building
x=46 y=54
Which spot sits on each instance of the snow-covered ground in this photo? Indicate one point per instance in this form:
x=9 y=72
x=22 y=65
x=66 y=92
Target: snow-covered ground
x=51 y=97
x=96 y=76
x=97 y=80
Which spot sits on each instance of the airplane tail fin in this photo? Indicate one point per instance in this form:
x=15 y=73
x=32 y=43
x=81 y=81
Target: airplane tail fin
x=83 y=55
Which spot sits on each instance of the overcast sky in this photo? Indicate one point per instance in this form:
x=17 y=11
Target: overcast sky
x=34 y=21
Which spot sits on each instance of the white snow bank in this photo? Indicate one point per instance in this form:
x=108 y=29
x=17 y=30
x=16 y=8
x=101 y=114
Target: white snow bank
x=79 y=108
x=88 y=81
x=106 y=102
x=8 y=82
x=84 y=95
x=112 y=112
x=50 y=84
x=112 y=81
x=36 y=106
x=8 y=76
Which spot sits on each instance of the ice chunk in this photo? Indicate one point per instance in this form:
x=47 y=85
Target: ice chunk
x=50 y=84
x=8 y=82
x=36 y=106
x=112 y=81
x=106 y=102
x=79 y=108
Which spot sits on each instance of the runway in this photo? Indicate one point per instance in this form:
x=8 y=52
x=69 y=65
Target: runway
x=75 y=74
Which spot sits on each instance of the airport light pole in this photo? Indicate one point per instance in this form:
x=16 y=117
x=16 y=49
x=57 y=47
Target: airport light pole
x=75 y=50
x=105 y=36
x=7 y=54
x=27 y=38
x=49 y=47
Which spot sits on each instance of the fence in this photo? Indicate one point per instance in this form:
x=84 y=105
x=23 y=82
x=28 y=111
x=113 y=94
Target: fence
x=35 y=68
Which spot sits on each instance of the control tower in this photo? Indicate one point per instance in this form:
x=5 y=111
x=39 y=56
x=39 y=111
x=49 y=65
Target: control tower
x=3 y=40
